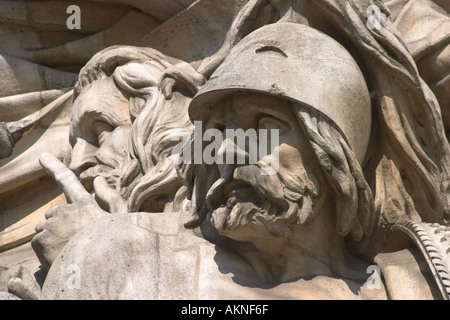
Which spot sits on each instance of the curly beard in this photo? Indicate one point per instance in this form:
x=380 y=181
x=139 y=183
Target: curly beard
x=245 y=204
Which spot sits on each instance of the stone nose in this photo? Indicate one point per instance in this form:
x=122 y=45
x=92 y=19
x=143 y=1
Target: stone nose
x=83 y=156
x=233 y=151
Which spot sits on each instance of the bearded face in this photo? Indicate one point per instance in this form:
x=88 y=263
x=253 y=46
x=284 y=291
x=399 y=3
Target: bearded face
x=241 y=202
x=253 y=205
x=100 y=128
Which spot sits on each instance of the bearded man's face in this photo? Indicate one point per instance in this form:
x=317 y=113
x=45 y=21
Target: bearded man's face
x=99 y=134
x=243 y=203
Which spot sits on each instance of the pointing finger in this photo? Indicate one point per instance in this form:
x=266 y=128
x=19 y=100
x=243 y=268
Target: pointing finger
x=64 y=177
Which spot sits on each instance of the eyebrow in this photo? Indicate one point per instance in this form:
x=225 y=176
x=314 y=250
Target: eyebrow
x=102 y=115
x=269 y=110
x=283 y=122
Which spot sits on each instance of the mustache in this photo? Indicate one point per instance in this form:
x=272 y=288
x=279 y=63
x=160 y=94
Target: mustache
x=277 y=188
x=285 y=202
x=291 y=195
x=233 y=177
x=257 y=205
x=292 y=202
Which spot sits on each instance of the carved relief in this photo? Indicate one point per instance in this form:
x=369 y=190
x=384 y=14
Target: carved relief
x=356 y=177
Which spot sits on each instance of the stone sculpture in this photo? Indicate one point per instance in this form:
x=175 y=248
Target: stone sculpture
x=361 y=177
x=424 y=27
x=41 y=60
x=121 y=130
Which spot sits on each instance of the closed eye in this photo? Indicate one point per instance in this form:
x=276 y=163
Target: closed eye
x=102 y=130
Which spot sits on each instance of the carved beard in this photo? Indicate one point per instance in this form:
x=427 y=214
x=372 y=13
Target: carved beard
x=112 y=160
x=253 y=205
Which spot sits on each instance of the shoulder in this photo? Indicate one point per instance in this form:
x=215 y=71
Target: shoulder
x=127 y=256
x=421 y=271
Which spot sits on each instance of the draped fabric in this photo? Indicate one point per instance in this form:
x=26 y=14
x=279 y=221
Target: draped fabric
x=425 y=27
x=412 y=162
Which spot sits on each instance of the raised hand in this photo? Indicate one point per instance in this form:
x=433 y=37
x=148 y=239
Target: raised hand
x=63 y=222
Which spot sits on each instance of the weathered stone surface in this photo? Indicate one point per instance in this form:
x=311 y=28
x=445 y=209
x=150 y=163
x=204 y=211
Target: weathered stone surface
x=8 y=296
x=425 y=27
x=20 y=262
x=262 y=149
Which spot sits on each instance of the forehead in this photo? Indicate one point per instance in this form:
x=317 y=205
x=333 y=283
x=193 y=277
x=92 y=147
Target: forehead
x=100 y=102
x=101 y=99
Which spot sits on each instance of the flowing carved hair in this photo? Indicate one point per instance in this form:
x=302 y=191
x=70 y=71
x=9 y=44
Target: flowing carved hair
x=351 y=193
x=159 y=89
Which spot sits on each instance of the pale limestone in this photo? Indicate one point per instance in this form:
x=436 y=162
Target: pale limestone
x=363 y=161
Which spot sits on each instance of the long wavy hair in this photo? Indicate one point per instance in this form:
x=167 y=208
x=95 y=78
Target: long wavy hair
x=159 y=89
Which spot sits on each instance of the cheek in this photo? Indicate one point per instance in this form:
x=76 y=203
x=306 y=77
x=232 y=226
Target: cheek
x=115 y=143
x=289 y=158
x=295 y=153
x=299 y=170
